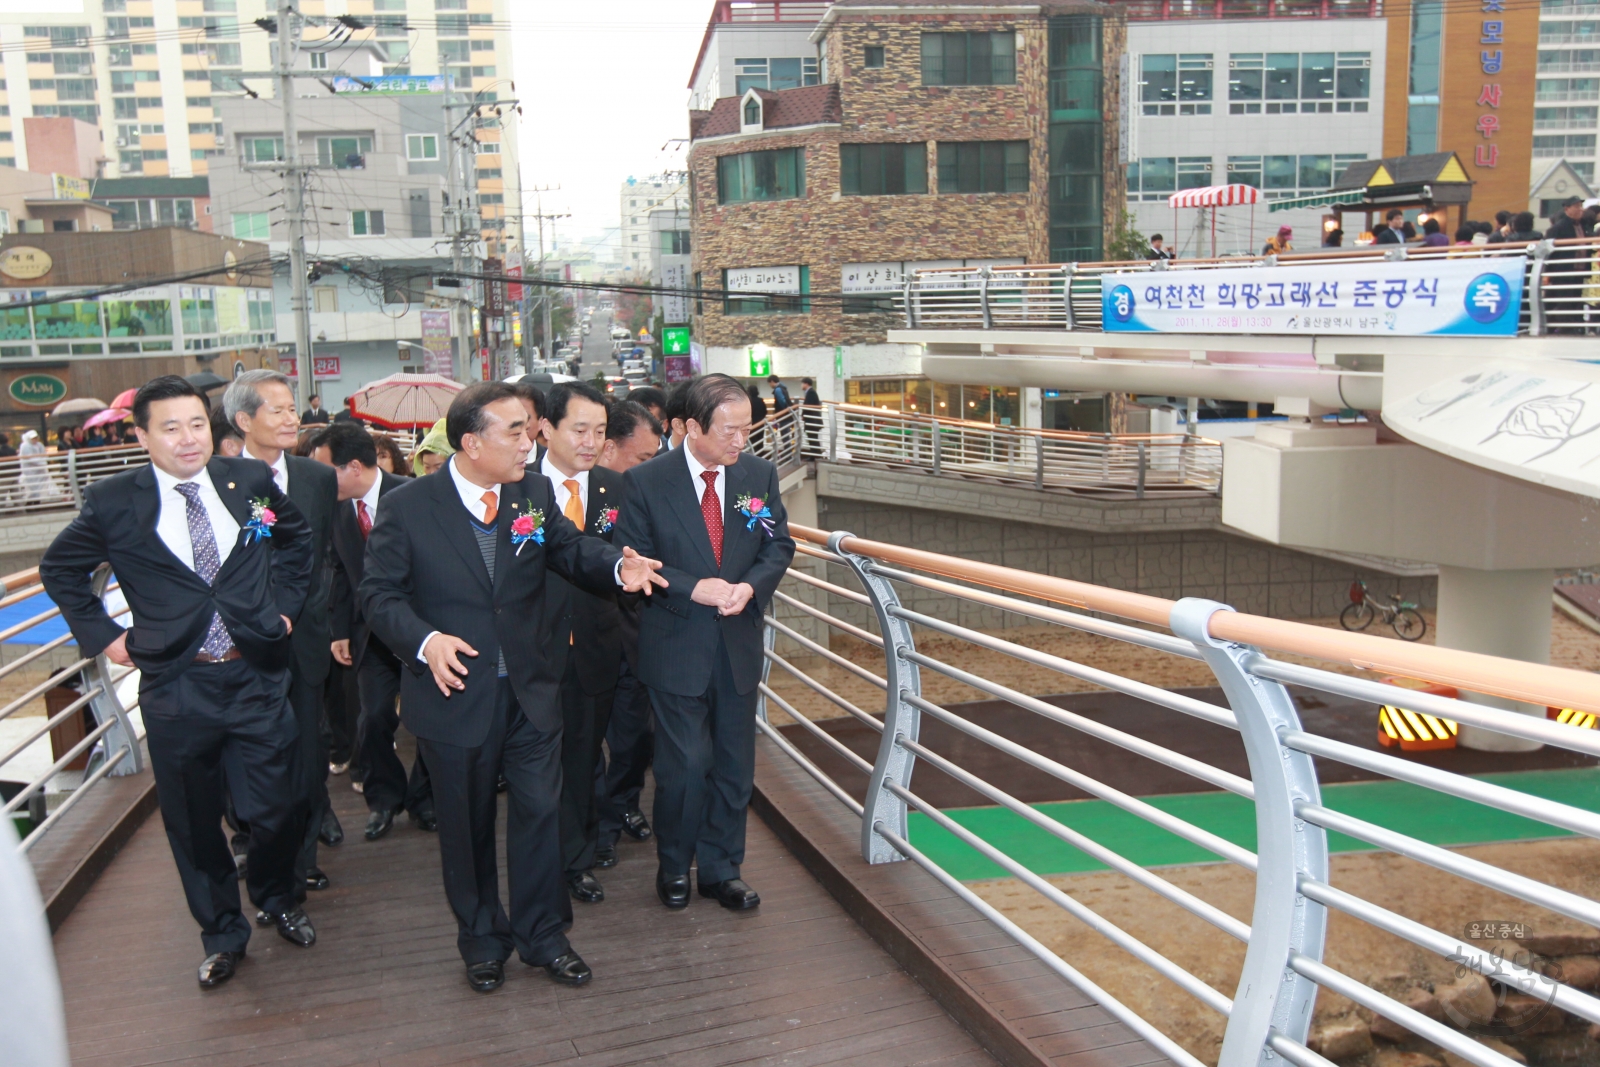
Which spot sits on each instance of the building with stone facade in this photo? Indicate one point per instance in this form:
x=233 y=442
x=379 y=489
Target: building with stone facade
x=936 y=135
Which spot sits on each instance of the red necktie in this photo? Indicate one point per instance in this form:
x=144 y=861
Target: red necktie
x=711 y=508
x=364 y=517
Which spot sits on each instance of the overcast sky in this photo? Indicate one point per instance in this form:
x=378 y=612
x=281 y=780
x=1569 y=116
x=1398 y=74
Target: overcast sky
x=604 y=86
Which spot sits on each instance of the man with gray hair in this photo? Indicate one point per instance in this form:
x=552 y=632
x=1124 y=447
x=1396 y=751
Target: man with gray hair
x=260 y=403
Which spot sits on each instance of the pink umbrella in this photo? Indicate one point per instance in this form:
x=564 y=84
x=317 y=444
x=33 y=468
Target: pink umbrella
x=124 y=399
x=404 y=401
x=109 y=415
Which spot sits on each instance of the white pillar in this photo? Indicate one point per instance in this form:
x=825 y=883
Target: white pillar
x=1499 y=613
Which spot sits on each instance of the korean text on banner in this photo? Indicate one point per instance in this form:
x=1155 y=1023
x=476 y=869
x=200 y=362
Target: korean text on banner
x=436 y=342
x=1466 y=297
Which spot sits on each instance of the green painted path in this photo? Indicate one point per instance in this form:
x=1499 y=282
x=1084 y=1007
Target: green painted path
x=1408 y=809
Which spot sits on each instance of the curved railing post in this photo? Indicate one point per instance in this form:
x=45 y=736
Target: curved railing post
x=901 y=719
x=1066 y=293
x=107 y=706
x=769 y=642
x=1537 y=254
x=1271 y=996
x=983 y=298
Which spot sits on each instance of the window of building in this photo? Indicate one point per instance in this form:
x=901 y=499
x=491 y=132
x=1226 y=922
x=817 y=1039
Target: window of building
x=154 y=155
x=318 y=60
x=366 y=224
x=1556 y=146
x=1157 y=177
x=1286 y=83
x=71 y=62
x=1567 y=89
x=675 y=242
x=778 y=174
x=449 y=5
x=752 y=112
x=766 y=290
x=454 y=52
x=969 y=58
x=775 y=73
x=1422 y=101
x=983 y=166
x=490 y=172
x=421 y=146
x=1176 y=84
x=120 y=55
x=145 y=214
x=873 y=59
x=262 y=149
x=324 y=298
x=343 y=153
x=130 y=162
x=883 y=169
x=252 y=225
x=451 y=25
x=491 y=198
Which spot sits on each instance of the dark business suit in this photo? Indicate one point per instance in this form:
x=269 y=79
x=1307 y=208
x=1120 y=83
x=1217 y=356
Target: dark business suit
x=630 y=733
x=702 y=668
x=202 y=718
x=377 y=670
x=588 y=679
x=424 y=572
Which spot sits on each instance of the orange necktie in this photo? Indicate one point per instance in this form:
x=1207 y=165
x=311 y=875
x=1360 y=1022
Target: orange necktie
x=491 y=507
x=574 y=508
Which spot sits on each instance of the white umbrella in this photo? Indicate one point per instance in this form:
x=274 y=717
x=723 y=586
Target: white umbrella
x=84 y=405
x=404 y=401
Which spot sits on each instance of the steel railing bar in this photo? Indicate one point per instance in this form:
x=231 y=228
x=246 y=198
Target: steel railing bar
x=77 y=750
x=1487 y=964
x=1087 y=623
x=1510 y=723
x=77 y=795
x=805 y=679
x=1132 y=805
x=1295 y=1052
x=50 y=724
x=837 y=624
x=42 y=688
x=1202 y=992
x=1393 y=1010
x=818 y=553
x=28 y=657
x=817 y=731
x=1121 y=1012
x=1154 y=694
x=836 y=590
x=1116 y=861
x=27 y=624
x=1475 y=789
x=1233 y=783
x=828 y=654
x=20 y=595
x=810 y=768
x=1507 y=882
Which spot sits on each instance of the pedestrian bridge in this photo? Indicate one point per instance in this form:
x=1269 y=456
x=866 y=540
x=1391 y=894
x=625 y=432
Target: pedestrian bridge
x=966 y=822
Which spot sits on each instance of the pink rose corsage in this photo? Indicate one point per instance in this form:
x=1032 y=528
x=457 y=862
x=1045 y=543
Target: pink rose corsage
x=604 y=521
x=262 y=520
x=529 y=527
x=755 y=509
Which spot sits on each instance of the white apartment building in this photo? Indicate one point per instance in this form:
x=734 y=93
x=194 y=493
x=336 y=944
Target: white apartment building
x=151 y=73
x=1283 y=105
x=638 y=197
x=760 y=46
x=1566 y=114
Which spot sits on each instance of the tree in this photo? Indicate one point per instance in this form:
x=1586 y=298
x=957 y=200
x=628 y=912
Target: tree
x=1126 y=242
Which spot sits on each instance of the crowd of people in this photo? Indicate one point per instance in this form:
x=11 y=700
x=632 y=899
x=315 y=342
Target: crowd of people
x=553 y=593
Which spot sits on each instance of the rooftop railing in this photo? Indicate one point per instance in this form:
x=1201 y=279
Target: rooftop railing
x=848 y=594
x=1561 y=285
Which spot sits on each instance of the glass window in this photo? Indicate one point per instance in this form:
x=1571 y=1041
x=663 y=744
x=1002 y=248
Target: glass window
x=198 y=307
x=262 y=149
x=1283 y=75
x=1244 y=170
x=883 y=169
x=1194 y=77
x=1354 y=75
x=366 y=224
x=784 y=73
x=73 y=318
x=138 y=318
x=422 y=146
x=1316 y=75
x=14 y=324
x=252 y=225
x=983 y=166
x=343 y=153
x=874 y=57
x=1158 y=82
x=1280 y=172
x=1194 y=172
x=969 y=58
x=779 y=174
x=1427 y=19
x=1316 y=172
x=1158 y=174
x=752 y=112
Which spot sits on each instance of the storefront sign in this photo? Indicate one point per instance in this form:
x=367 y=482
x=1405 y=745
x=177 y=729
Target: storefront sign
x=1469 y=297
x=69 y=188
x=39 y=390
x=760 y=362
x=392 y=84
x=1492 y=63
x=436 y=342
x=872 y=277
x=674 y=283
x=25 y=262
x=675 y=341
x=323 y=368
x=782 y=280
x=678 y=368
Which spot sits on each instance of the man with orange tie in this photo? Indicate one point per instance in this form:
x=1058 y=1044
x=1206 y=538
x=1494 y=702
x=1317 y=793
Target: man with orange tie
x=587 y=626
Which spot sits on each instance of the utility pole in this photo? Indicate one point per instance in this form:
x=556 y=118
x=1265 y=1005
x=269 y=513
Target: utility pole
x=461 y=221
x=294 y=196
x=548 y=349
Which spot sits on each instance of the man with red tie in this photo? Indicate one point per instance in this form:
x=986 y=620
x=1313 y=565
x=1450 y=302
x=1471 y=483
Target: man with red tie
x=386 y=789
x=712 y=515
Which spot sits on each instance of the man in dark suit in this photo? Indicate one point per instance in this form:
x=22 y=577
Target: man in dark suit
x=811 y=417
x=386 y=788
x=714 y=519
x=633 y=436
x=215 y=561
x=455 y=582
x=574 y=430
x=261 y=404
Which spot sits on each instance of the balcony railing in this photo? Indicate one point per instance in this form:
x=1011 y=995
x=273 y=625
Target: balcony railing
x=770 y=10
x=1172 y=10
x=854 y=619
x=1561 y=280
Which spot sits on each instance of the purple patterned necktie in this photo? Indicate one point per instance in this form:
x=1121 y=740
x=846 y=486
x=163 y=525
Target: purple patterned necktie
x=206 y=563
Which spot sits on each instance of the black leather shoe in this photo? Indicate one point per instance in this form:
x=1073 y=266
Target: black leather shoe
x=331 y=833
x=378 y=824
x=500 y=784
x=218 y=968
x=315 y=878
x=425 y=820
x=605 y=856
x=732 y=894
x=486 y=977
x=673 y=889
x=584 y=887
x=569 y=969
x=263 y=919
x=636 y=826
x=295 y=928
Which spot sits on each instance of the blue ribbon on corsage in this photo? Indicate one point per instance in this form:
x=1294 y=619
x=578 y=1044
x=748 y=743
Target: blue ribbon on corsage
x=525 y=528
x=755 y=509
x=262 y=520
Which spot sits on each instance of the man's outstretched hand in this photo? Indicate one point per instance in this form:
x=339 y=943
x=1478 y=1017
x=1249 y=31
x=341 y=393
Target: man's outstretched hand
x=639 y=572
x=443 y=654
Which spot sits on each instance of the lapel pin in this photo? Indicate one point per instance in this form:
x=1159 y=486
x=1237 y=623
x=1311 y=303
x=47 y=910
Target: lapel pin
x=602 y=488
x=230 y=485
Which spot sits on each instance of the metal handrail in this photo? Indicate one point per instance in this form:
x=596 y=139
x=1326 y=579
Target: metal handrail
x=55 y=481
x=1283 y=969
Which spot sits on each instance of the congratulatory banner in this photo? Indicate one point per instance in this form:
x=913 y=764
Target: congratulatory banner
x=1476 y=297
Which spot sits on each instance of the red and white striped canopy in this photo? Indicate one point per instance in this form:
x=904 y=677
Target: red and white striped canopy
x=1215 y=196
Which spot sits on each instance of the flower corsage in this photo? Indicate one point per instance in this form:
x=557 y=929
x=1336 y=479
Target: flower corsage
x=529 y=527
x=756 y=511
x=262 y=520
x=604 y=521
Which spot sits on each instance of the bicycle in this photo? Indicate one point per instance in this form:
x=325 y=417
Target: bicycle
x=1402 y=615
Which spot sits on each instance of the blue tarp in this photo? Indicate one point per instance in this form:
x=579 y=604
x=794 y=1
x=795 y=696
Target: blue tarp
x=24 y=610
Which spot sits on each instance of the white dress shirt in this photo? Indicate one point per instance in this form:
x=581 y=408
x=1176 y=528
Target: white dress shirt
x=560 y=480
x=370 y=500
x=280 y=470
x=172 y=523
x=696 y=468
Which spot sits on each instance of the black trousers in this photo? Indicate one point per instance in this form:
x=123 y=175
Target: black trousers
x=630 y=742
x=387 y=787
x=583 y=727
x=705 y=766
x=306 y=700
x=464 y=800
x=230 y=719
x=340 y=707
